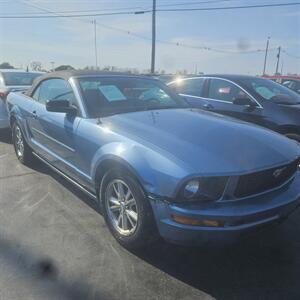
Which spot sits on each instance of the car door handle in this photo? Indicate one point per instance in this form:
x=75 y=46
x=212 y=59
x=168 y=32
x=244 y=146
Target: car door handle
x=208 y=106
x=34 y=114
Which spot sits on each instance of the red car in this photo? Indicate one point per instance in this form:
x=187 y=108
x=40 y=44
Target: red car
x=291 y=82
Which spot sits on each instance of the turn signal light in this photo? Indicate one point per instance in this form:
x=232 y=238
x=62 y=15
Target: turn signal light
x=195 y=222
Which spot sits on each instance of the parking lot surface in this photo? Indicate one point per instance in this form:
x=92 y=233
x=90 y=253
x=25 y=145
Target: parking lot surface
x=54 y=245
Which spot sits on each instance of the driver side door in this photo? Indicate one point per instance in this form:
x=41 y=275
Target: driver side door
x=54 y=133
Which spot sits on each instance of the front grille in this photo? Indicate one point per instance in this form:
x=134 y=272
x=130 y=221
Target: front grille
x=263 y=181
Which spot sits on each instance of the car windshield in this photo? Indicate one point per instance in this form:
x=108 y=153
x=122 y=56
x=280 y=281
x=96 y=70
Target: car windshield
x=19 y=78
x=113 y=95
x=270 y=90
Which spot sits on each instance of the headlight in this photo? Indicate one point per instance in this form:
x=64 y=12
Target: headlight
x=191 y=189
x=203 y=189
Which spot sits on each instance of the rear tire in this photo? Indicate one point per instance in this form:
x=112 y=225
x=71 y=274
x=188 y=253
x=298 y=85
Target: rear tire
x=23 y=151
x=126 y=209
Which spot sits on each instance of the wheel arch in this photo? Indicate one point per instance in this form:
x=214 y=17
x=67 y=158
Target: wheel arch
x=110 y=163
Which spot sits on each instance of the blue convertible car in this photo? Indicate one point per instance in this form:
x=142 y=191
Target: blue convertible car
x=154 y=164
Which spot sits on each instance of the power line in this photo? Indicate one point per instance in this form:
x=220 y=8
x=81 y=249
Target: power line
x=195 y=3
x=147 y=11
x=228 y=7
x=68 y=16
x=123 y=8
x=289 y=54
x=178 y=44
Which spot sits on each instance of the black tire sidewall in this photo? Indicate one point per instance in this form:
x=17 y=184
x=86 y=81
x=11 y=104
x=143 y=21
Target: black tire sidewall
x=15 y=125
x=145 y=227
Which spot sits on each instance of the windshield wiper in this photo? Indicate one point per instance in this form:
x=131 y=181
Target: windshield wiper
x=123 y=111
x=161 y=107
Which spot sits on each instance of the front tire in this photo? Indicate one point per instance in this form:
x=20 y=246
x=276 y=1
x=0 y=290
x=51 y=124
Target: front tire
x=23 y=151
x=126 y=209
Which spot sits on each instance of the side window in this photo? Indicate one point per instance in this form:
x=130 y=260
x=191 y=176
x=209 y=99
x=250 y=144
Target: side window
x=290 y=84
x=54 y=89
x=223 y=90
x=192 y=87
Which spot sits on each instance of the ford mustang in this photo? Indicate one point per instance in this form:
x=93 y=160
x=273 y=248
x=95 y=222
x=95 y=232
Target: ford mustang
x=155 y=165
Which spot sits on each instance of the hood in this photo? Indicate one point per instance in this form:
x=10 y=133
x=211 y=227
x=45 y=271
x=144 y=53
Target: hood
x=291 y=106
x=286 y=99
x=204 y=142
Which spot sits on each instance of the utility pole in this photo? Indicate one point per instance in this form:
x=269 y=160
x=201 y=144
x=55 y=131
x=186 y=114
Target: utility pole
x=52 y=65
x=281 y=73
x=266 y=54
x=153 y=37
x=95 y=41
x=278 y=58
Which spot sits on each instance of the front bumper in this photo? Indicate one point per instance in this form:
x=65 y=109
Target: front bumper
x=234 y=217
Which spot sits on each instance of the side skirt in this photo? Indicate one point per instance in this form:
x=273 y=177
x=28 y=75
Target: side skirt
x=79 y=186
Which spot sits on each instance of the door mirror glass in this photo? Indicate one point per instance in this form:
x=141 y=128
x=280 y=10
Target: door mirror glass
x=62 y=106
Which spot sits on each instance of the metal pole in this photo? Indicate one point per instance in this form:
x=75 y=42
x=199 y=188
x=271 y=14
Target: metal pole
x=52 y=65
x=153 y=37
x=95 y=40
x=278 y=57
x=266 y=54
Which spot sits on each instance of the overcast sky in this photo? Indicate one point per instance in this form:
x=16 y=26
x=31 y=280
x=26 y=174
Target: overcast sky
x=71 y=41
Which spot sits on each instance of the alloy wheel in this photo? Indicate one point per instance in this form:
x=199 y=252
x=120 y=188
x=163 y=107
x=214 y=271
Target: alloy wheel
x=19 y=143
x=121 y=207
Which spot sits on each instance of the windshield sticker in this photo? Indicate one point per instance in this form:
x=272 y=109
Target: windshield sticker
x=112 y=93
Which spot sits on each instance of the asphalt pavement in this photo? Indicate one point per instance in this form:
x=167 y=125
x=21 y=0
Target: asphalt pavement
x=54 y=244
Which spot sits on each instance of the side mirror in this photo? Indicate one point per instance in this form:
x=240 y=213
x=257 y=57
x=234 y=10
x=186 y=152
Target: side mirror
x=61 y=106
x=243 y=101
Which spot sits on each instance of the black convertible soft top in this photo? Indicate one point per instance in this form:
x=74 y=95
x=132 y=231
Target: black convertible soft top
x=74 y=73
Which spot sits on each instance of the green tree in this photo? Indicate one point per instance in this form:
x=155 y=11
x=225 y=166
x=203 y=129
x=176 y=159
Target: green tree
x=64 y=67
x=6 y=65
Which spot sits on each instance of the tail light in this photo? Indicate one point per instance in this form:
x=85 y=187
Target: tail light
x=3 y=95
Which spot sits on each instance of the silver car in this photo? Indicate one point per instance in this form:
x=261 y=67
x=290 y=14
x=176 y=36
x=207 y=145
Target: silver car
x=13 y=80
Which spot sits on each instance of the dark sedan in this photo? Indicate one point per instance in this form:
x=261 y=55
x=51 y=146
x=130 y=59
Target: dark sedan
x=249 y=98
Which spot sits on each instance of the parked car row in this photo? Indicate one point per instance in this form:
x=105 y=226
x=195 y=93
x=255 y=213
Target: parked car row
x=252 y=99
x=157 y=166
x=13 y=80
x=291 y=82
